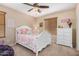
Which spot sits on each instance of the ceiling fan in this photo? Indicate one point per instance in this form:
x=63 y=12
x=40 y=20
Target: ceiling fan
x=36 y=6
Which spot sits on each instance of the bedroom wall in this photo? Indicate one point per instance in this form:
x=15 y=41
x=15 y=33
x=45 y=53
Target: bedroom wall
x=62 y=14
x=13 y=20
x=77 y=26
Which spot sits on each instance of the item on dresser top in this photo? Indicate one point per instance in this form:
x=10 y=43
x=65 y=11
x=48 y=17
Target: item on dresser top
x=66 y=22
x=34 y=42
x=69 y=23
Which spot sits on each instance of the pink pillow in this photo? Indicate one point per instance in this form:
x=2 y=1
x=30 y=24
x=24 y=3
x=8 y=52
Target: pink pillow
x=24 y=31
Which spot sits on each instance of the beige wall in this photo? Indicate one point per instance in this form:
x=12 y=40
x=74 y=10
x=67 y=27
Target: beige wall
x=77 y=26
x=13 y=20
x=60 y=15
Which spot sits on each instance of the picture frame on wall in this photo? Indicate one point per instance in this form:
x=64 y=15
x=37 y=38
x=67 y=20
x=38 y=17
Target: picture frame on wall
x=41 y=24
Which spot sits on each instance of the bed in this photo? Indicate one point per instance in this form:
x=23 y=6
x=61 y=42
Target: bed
x=34 y=42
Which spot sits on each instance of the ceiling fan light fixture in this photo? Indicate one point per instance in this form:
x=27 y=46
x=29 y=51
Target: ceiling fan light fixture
x=36 y=7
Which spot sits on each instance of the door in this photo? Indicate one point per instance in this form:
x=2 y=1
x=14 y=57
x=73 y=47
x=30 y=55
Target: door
x=51 y=26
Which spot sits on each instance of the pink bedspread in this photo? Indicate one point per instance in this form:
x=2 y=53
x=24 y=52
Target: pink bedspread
x=27 y=39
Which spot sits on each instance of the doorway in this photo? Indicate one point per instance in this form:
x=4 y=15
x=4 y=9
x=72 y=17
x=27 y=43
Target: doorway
x=51 y=26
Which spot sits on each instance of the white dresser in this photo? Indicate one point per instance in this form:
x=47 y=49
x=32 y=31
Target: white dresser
x=64 y=36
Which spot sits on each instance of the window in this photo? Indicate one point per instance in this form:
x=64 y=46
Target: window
x=2 y=24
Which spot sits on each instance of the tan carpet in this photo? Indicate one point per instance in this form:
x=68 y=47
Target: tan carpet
x=52 y=50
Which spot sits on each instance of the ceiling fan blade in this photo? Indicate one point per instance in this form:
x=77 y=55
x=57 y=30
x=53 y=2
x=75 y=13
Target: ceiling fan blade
x=35 y=4
x=43 y=6
x=30 y=9
x=39 y=10
x=27 y=4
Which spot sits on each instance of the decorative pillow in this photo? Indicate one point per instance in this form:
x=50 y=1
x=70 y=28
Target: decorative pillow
x=24 y=31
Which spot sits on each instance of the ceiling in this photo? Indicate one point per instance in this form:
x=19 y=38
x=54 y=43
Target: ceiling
x=53 y=7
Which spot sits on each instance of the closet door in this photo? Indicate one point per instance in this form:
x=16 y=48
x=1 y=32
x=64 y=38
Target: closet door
x=51 y=27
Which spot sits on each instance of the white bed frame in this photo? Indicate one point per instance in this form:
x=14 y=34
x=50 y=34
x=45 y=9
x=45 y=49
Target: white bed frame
x=41 y=40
